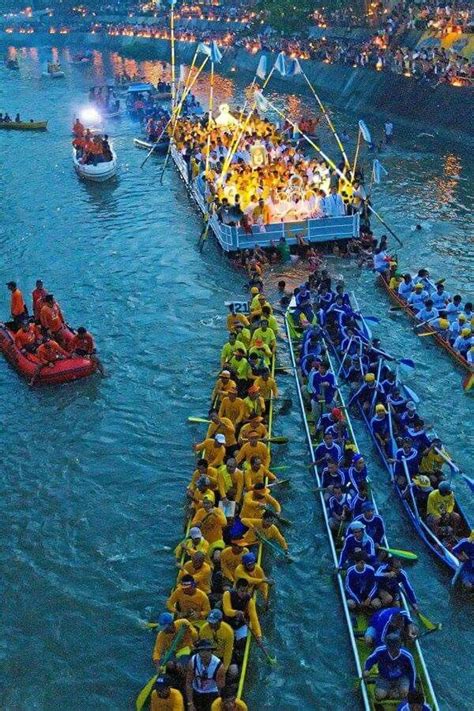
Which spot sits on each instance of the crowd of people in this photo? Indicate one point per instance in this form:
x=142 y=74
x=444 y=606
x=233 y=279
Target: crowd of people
x=232 y=508
x=435 y=308
x=327 y=315
x=91 y=149
x=266 y=178
x=43 y=336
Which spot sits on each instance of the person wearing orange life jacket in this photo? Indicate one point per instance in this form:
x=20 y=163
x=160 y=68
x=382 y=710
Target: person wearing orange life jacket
x=253 y=448
x=83 y=346
x=78 y=129
x=48 y=353
x=51 y=316
x=18 y=308
x=214 y=448
x=39 y=292
x=27 y=337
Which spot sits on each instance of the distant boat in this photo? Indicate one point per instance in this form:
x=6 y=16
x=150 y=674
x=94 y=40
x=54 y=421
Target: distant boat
x=24 y=125
x=54 y=71
x=99 y=173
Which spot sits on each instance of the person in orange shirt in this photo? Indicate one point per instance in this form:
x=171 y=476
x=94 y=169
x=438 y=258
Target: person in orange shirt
x=37 y=298
x=51 y=316
x=232 y=407
x=254 y=575
x=256 y=501
x=167 y=635
x=256 y=473
x=222 y=387
x=164 y=697
x=78 y=129
x=231 y=557
x=82 y=344
x=18 y=308
x=48 y=353
x=203 y=469
x=255 y=424
x=27 y=338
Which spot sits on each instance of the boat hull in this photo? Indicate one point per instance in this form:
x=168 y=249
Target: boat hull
x=99 y=173
x=24 y=126
x=411 y=313
x=159 y=148
x=53 y=75
x=63 y=371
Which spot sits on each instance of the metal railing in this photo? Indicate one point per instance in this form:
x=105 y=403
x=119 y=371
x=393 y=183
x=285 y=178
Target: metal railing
x=231 y=238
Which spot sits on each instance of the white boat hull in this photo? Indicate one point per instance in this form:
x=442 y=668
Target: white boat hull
x=54 y=75
x=99 y=173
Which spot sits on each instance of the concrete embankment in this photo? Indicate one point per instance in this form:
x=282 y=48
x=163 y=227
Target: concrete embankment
x=446 y=109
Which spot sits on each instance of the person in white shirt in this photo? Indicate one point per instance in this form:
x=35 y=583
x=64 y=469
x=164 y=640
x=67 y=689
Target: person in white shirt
x=428 y=312
x=321 y=204
x=334 y=204
x=388 y=131
x=454 y=308
x=418 y=297
x=406 y=286
x=381 y=264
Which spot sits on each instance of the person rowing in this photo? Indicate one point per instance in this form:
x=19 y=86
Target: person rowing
x=230 y=482
x=225 y=426
x=417 y=297
x=256 y=502
x=240 y=610
x=164 y=697
x=253 y=447
x=369 y=392
x=83 y=346
x=215 y=449
x=373 y=522
x=338 y=505
x=193 y=543
x=415 y=701
x=380 y=426
x=229 y=348
x=250 y=571
x=392 y=580
x=327 y=450
x=387 y=621
x=187 y=601
x=48 y=354
x=200 y=571
x=257 y=473
x=441 y=515
x=222 y=635
x=361 y=586
x=464 y=551
x=356 y=540
x=396 y=669
x=168 y=631
x=322 y=387
x=28 y=337
x=232 y=407
x=211 y=520
x=228 y=701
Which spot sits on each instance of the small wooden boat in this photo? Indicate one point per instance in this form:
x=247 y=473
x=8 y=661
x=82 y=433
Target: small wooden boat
x=397 y=299
x=81 y=58
x=99 y=173
x=12 y=64
x=356 y=623
x=159 y=148
x=63 y=371
x=24 y=125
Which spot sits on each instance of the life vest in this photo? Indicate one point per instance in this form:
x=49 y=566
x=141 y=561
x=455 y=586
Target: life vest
x=204 y=681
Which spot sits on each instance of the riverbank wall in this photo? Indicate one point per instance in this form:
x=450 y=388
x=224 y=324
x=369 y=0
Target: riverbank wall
x=365 y=92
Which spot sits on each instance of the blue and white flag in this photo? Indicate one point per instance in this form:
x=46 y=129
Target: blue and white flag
x=261 y=101
x=216 y=54
x=378 y=171
x=280 y=64
x=204 y=49
x=294 y=68
x=262 y=67
x=365 y=132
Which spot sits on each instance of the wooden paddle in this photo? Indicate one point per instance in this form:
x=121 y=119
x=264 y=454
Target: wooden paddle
x=408 y=555
x=272 y=660
x=279 y=551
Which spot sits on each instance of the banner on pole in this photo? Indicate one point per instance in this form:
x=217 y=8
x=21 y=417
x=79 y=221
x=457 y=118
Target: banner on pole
x=280 y=64
x=261 y=101
x=294 y=68
x=365 y=132
x=378 y=171
x=204 y=49
x=262 y=67
x=216 y=54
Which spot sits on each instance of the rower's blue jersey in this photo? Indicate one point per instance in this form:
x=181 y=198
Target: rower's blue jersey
x=315 y=380
x=379 y=425
x=393 y=585
x=356 y=477
x=322 y=451
x=360 y=584
x=336 y=506
x=380 y=621
x=411 y=460
x=465 y=546
x=393 y=668
x=328 y=479
x=357 y=502
x=374 y=527
x=405 y=706
x=351 y=544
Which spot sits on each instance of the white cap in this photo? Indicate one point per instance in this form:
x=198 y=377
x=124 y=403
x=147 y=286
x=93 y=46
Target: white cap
x=220 y=438
x=195 y=532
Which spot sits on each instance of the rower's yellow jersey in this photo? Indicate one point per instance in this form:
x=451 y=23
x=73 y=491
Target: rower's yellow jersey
x=223 y=638
x=174 y=702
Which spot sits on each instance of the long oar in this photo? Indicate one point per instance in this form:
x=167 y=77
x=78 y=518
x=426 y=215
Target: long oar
x=279 y=551
x=198 y=419
x=277 y=516
x=469 y=481
x=384 y=224
x=147 y=689
x=456 y=575
x=269 y=657
x=279 y=482
x=277 y=440
x=408 y=555
x=427 y=623
x=430 y=333
x=344 y=356
x=366 y=679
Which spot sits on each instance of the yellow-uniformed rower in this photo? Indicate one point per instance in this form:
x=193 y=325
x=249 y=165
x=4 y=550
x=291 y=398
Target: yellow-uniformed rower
x=214 y=449
x=239 y=609
x=193 y=543
x=256 y=473
x=229 y=348
x=167 y=634
x=256 y=501
x=230 y=481
x=254 y=403
x=267 y=385
x=187 y=601
x=255 y=424
x=222 y=386
x=200 y=570
x=231 y=557
x=164 y=697
x=253 y=448
x=222 y=634
x=228 y=701
x=221 y=425
x=203 y=469
x=253 y=574
x=210 y=520
x=266 y=527
x=232 y=407
x=264 y=334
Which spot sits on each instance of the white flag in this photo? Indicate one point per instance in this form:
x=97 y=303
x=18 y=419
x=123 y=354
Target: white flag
x=204 y=49
x=377 y=171
x=262 y=67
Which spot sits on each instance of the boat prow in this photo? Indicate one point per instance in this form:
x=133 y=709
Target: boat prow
x=159 y=148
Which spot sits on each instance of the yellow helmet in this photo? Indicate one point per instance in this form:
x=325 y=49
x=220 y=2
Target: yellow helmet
x=466 y=332
x=443 y=323
x=369 y=377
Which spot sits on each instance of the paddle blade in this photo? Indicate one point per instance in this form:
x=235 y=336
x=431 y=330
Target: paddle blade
x=408 y=555
x=468 y=382
x=411 y=394
x=372 y=319
x=431 y=626
x=407 y=363
x=198 y=419
x=145 y=693
x=278 y=440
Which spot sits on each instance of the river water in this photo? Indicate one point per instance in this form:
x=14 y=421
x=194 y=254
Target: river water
x=92 y=473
